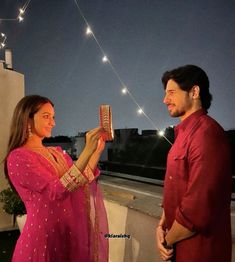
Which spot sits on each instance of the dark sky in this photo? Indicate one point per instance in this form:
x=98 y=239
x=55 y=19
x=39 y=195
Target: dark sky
x=142 y=39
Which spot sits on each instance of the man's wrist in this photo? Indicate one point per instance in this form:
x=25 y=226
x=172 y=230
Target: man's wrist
x=166 y=245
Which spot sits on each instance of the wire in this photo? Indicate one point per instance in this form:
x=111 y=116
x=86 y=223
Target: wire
x=107 y=60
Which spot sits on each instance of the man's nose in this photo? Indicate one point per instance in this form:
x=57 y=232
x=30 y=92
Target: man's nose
x=165 y=99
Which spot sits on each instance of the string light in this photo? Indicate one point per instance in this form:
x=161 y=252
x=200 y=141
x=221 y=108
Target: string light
x=88 y=31
x=161 y=133
x=21 y=11
x=140 y=111
x=105 y=60
x=124 y=90
x=20 y=16
x=2 y=44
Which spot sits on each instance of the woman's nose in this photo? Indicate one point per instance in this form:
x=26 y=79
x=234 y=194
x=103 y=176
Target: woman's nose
x=52 y=122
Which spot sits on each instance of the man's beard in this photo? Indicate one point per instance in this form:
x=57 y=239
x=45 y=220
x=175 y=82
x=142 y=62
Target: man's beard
x=176 y=113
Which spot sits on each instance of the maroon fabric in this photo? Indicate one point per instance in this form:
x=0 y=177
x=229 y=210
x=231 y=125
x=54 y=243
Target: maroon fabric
x=197 y=189
x=61 y=226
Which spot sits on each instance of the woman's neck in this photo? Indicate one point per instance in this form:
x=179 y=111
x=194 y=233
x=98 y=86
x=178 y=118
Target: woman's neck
x=34 y=142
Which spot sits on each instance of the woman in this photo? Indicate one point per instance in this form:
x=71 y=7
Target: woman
x=66 y=218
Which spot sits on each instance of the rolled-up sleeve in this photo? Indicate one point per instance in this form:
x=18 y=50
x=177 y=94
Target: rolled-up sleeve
x=208 y=173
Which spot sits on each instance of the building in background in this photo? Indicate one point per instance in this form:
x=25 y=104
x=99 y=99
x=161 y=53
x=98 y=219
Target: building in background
x=11 y=91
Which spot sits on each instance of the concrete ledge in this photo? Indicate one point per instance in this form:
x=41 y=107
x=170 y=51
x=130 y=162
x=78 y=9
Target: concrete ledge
x=144 y=198
x=134 y=209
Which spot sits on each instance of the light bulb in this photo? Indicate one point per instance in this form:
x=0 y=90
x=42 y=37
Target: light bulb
x=88 y=31
x=124 y=90
x=161 y=133
x=105 y=59
x=21 y=11
x=20 y=18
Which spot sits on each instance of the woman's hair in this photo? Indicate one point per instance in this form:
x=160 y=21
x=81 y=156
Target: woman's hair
x=26 y=108
x=187 y=77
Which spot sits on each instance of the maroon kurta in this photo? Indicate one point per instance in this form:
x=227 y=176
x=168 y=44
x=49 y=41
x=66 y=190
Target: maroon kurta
x=197 y=189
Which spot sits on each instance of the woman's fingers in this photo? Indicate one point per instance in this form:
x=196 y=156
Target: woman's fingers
x=92 y=138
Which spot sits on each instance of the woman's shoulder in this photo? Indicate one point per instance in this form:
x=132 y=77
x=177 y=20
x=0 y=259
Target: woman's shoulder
x=20 y=152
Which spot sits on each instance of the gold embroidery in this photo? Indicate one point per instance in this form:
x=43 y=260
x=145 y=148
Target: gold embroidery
x=73 y=178
x=89 y=173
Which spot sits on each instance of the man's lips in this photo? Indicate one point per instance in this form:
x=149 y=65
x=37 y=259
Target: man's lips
x=170 y=107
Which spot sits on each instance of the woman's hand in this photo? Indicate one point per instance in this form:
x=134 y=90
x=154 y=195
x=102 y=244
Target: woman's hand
x=100 y=146
x=92 y=138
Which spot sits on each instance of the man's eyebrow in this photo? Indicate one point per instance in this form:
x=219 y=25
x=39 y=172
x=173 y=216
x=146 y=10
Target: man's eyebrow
x=47 y=113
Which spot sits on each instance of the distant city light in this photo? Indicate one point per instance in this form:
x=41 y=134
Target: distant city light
x=2 y=44
x=140 y=111
x=3 y=35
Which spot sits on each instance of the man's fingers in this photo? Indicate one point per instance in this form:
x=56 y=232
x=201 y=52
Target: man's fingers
x=166 y=256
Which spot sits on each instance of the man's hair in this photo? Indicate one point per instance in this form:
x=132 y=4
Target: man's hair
x=188 y=76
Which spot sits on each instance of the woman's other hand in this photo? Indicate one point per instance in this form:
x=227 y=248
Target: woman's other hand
x=92 y=138
x=100 y=145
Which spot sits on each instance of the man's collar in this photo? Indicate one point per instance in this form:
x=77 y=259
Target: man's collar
x=187 y=122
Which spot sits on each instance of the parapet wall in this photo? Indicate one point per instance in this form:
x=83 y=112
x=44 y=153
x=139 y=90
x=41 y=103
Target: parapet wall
x=134 y=210
x=11 y=91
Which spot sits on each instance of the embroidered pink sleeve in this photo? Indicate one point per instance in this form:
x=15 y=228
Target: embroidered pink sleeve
x=25 y=171
x=74 y=178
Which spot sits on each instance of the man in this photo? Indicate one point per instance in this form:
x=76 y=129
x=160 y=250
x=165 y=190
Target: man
x=195 y=225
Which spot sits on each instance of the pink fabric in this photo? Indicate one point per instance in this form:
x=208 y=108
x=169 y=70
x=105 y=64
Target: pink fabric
x=61 y=226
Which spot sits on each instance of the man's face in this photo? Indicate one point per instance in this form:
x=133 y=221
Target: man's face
x=178 y=101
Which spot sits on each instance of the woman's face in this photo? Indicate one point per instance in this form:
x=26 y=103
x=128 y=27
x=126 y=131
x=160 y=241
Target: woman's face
x=44 y=121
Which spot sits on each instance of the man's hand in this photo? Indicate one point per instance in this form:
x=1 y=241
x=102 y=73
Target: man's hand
x=165 y=253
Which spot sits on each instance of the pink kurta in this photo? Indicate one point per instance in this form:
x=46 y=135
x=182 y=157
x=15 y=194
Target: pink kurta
x=197 y=189
x=61 y=226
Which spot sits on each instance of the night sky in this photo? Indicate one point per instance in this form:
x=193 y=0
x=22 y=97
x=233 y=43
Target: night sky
x=142 y=38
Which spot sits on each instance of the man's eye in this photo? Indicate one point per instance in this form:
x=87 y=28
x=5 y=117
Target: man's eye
x=46 y=116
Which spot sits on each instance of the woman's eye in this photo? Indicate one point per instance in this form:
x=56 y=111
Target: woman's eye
x=46 y=116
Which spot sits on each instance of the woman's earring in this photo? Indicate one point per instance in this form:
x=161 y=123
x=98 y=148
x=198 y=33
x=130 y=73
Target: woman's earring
x=30 y=134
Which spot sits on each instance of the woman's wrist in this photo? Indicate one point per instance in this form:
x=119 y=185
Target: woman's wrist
x=87 y=151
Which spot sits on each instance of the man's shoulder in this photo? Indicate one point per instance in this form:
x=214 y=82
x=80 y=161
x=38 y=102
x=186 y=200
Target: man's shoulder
x=207 y=131
x=208 y=123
